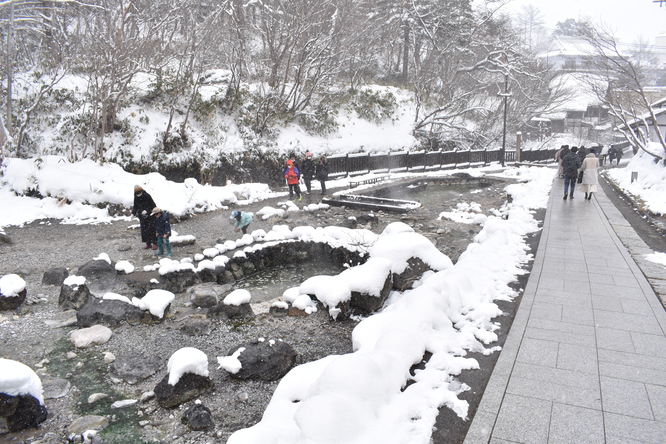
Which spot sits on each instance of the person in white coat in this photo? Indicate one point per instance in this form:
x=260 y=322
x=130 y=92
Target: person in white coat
x=589 y=168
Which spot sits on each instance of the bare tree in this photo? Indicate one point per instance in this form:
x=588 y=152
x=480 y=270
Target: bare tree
x=622 y=90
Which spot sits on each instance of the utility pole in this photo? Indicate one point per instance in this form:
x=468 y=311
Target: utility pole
x=506 y=95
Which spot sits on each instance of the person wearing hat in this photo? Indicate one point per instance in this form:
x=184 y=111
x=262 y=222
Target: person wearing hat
x=162 y=231
x=308 y=171
x=143 y=205
x=292 y=175
x=241 y=220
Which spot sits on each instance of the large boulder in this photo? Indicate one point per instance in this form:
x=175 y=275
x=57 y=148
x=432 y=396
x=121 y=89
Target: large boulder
x=266 y=361
x=414 y=271
x=74 y=294
x=207 y=294
x=228 y=311
x=21 y=412
x=55 y=276
x=12 y=292
x=108 y=312
x=198 y=417
x=179 y=281
x=188 y=387
x=97 y=269
x=369 y=303
x=87 y=337
x=134 y=367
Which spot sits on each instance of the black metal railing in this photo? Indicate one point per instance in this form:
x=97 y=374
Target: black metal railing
x=414 y=161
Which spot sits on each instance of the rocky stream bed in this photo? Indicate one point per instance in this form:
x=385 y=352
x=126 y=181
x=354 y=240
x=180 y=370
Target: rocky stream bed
x=37 y=333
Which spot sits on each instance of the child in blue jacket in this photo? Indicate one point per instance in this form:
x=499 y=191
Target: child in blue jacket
x=241 y=220
x=163 y=229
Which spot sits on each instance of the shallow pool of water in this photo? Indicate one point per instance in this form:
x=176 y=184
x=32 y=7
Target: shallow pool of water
x=272 y=282
x=429 y=194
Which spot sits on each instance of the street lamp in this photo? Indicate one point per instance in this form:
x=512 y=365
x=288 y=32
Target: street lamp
x=506 y=95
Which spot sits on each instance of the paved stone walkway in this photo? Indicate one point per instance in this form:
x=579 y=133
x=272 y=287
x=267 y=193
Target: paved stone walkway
x=585 y=359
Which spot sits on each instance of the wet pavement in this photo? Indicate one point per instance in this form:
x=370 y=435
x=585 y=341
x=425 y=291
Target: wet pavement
x=585 y=359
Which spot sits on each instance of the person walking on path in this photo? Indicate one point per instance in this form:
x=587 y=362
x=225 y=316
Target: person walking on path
x=162 y=231
x=241 y=220
x=559 y=156
x=589 y=168
x=570 y=165
x=143 y=205
x=292 y=175
x=308 y=171
x=582 y=152
x=321 y=173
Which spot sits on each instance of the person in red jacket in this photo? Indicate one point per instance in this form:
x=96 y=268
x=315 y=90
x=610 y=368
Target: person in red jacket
x=292 y=175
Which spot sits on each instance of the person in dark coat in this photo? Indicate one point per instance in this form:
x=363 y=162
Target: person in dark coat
x=308 y=171
x=162 y=231
x=143 y=205
x=570 y=165
x=321 y=173
x=582 y=152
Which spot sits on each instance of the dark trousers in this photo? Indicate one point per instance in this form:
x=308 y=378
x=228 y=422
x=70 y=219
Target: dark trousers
x=323 y=186
x=569 y=180
x=294 y=188
x=244 y=228
x=308 y=183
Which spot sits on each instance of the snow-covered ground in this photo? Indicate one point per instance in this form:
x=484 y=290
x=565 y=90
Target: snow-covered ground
x=359 y=397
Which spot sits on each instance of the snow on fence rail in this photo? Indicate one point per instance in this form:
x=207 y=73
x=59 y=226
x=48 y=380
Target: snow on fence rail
x=414 y=161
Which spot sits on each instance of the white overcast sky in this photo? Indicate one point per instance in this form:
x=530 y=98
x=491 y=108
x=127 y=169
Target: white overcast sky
x=630 y=19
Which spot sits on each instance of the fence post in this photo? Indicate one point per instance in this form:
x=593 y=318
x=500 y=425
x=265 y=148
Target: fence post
x=519 y=138
x=407 y=159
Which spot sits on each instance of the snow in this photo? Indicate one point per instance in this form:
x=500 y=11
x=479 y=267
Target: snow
x=237 y=297
x=116 y=297
x=17 y=378
x=231 y=363
x=650 y=185
x=361 y=397
x=657 y=258
x=124 y=266
x=155 y=301
x=71 y=189
x=11 y=285
x=74 y=281
x=400 y=242
x=187 y=360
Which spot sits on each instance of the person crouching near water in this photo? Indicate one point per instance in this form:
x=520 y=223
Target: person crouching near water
x=241 y=220
x=163 y=230
x=292 y=175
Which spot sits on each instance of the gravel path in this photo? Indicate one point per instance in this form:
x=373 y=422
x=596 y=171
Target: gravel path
x=26 y=337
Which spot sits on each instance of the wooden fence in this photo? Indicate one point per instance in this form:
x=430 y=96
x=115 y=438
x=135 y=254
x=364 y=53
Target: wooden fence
x=419 y=161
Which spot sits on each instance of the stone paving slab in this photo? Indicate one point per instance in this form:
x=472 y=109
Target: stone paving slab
x=585 y=360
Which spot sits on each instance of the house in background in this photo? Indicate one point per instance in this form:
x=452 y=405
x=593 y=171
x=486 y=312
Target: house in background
x=644 y=126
